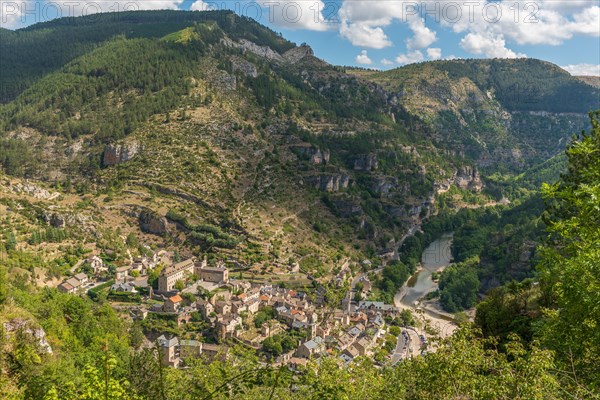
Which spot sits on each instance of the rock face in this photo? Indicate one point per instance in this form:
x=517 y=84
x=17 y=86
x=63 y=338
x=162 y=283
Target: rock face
x=225 y=81
x=468 y=178
x=314 y=154
x=33 y=190
x=366 y=162
x=27 y=328
x=56 y=220
x=346 y=208
x=329 y=183
x=296 y=54
x=261 y=51
x=245 y=67
x=119 y=153
x=151 y=222
x=406 y=211
x=383 y=185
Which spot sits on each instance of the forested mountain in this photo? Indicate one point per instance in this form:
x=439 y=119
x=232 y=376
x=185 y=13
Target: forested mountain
x=207 y=134
x=502 y=109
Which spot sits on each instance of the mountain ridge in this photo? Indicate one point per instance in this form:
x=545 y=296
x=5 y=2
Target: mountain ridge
x=212 y=113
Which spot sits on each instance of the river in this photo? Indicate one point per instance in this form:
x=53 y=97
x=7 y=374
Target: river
x=434 y=258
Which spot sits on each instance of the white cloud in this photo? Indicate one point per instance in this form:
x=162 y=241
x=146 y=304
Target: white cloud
x=363 y=58
x=583 y=69
x=489 y=27
x=423 y=36
x=200 y=5
x=293 y=14
x=385 y=61
x=434 y=53
x=565 y=6
x=547 y=22
x=493 y=46
x=410 y=57
x=365 y=35
x=362 y=22
x=587 y=22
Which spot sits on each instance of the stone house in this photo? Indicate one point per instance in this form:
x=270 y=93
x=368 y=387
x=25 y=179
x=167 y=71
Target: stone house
x=123 y=287
x=190 y=348
x=311 y=348
x=228 y=326
x=173 y=273
x=222 y=307
x=173 y=304
x=205 y=308
x=122 y=273
x=363 y=345
x=97 y=264
x=169 y=350
x=66 y=288
x=213 y=351
x=81 y=277
x=216 y=274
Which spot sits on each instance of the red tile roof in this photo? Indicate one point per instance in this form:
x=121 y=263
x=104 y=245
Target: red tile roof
x=176 y=299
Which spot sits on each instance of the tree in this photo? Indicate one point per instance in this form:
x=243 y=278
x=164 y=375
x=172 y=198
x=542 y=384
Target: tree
x=570 y=260
x=180 y=285
x=153 y=276
x=3 y=285
x=11 y=241
x=272 y=345
x=132 y=240
x=407 y=318
x=459 y=286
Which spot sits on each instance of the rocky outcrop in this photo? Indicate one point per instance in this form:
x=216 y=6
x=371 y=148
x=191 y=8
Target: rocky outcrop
x=309 y=152
x=296 y=54
x=346 y=208
x=224 y=81
x=468 y=177
x=245 y=67
x=405 y=211
x=34 y=191
x=366 y=162
x=389 y=252
x=329 y=182
x=120 y=153
x=25 y=327
x=151 y=222
x=55 y=220
x=383 y=185
x=261 y=51
x=410 y=150
x=368 y=229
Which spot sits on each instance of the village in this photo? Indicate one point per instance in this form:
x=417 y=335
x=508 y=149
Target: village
x=288 y=327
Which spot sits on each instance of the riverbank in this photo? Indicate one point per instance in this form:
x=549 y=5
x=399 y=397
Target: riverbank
x=435 y=258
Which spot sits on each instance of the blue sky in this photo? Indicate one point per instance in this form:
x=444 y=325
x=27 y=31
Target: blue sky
x=389 y=33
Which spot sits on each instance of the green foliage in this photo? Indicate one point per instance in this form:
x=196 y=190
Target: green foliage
x=459 y=286
x=3 y=285
x=94 y=293
x=16 y=157
x=265 y=314
x=50 y=235
x=570 y=260
x=45 y=47
x=392 y=278
x=282 y=342
x=509 y=309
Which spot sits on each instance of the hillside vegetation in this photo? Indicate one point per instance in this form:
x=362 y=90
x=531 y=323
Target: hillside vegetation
x=206 y=134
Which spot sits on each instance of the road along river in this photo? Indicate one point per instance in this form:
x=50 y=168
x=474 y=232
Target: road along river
x=435 y=258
